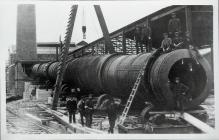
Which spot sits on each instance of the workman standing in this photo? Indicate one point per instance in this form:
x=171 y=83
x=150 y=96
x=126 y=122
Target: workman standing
x=174 y=25
x=146 y=37
x=89 y=109
x=137 y=38
x=81 y=109
x=112 y=112
x=181 y=93
x=111 y=107
x=166 y=44
x=33 y=93
x=72 y=107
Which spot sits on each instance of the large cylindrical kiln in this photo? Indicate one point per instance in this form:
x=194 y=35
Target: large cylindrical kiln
x=115 y=75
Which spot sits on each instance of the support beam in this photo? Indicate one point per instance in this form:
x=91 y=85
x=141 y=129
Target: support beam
x=108 y=44
x=124 y=42
x=197 y=123
x=188 y=20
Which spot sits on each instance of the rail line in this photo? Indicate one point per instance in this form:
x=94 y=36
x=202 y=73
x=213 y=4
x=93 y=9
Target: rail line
x=24 y=125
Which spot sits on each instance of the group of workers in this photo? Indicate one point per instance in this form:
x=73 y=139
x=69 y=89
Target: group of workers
x=175 y=39
x=85 y=107
x=142 y=35
x=168 y=44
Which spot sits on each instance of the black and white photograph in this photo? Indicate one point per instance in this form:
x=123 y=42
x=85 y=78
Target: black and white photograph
x=109 y=69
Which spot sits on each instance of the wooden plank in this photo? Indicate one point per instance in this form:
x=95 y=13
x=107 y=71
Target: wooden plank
x=173 y=112
x=38 y=119
x=197 y=123
x=74 y=126
x=33 y=117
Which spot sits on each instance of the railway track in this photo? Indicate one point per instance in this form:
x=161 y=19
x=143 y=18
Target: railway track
x=24 y=125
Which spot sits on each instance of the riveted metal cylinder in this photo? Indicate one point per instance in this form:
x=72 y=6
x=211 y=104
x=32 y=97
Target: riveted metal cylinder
x=116 y=74
x=86 y=72
x=41 y=70
x=35 y=69
x=120 y=73
x=180 y=64
x=52 y=71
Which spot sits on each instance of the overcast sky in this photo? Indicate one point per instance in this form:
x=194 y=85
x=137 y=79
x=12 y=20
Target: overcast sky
x=51 y=19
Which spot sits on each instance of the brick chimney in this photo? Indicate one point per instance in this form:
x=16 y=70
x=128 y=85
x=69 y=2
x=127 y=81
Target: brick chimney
x=25 y=43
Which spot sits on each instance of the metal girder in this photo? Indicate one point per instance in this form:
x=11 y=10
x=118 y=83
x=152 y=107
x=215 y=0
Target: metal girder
x=108 y=43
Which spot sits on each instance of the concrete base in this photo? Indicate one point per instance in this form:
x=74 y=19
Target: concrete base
x=42 y=95
x=28 y=87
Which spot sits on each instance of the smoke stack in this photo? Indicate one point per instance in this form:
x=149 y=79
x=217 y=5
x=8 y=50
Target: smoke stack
x=26 y=32
x=25 y=43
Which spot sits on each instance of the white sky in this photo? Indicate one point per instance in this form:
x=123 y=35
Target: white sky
x=52 y=16
x=51 y=19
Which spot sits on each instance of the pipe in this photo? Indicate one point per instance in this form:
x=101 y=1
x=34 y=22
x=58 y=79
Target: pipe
x=115 y=75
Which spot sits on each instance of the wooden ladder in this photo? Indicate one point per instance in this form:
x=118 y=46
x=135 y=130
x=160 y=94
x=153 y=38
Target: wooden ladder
x=132 y=95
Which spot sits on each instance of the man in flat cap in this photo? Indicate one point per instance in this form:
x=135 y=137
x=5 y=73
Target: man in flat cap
x=166 y=43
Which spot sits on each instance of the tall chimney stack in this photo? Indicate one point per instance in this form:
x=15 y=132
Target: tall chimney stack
x=25 y=43
x=26 y=32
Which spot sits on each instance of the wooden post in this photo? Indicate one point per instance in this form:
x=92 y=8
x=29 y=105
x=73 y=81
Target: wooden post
x=124 y=42
x=188 y=20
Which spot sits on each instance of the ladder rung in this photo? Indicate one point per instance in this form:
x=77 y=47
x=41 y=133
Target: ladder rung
x=123 y=115
x=132 y=95
x=133 y=91
x=136 y=83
